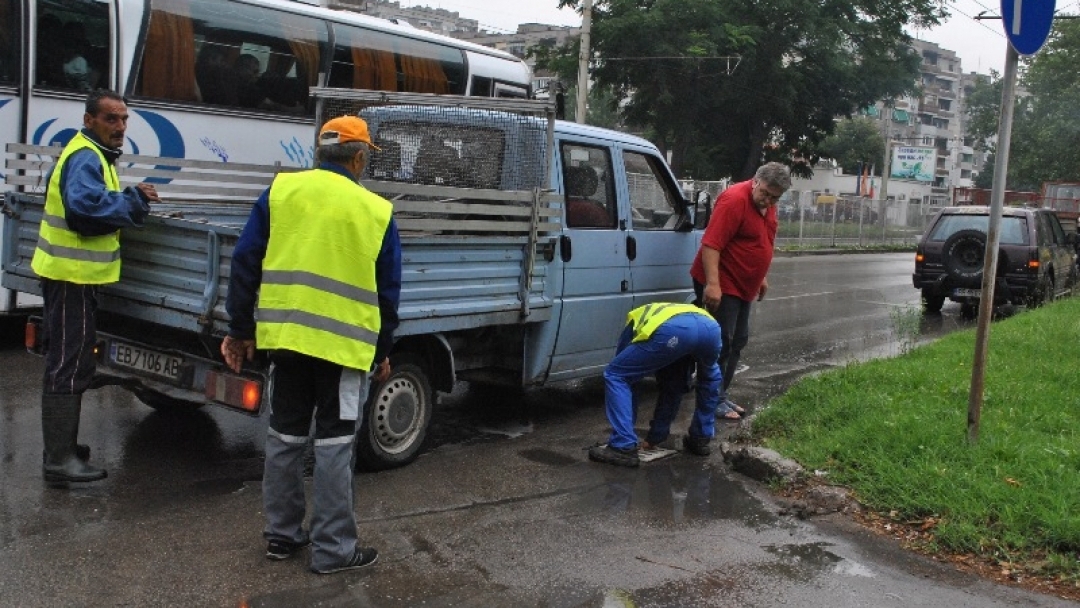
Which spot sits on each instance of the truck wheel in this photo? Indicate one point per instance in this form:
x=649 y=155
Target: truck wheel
x=396 y=417
x=931 y=303
x=166 y=404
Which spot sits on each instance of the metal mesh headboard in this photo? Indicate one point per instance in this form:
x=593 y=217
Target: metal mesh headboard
x=449 y=140
x=456 y=165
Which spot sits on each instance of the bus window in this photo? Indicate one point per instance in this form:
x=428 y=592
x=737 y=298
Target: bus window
x=81 y=61
x=482 y=87
x=368 y=59
x=231 y=54
x=9 y=42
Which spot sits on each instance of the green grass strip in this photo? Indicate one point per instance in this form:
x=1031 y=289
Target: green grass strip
x=895 y=431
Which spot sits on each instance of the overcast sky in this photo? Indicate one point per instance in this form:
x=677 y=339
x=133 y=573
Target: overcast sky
x=980 y=44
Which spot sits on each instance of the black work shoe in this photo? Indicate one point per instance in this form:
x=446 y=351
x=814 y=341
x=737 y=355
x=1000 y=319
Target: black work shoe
x=362 y=557
x=283 y=549
x=698 y=446
x=615 y=456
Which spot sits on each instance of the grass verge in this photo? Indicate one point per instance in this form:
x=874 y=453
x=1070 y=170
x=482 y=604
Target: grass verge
x=895 y=431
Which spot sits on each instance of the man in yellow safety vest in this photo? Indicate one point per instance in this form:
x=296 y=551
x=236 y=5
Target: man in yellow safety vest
x=78 y=250
x=665 y=339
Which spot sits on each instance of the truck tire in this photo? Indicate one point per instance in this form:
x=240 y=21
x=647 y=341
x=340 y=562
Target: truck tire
x=396 y=417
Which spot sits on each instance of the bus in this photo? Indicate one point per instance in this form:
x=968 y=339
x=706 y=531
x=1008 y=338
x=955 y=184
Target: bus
x=218 y=80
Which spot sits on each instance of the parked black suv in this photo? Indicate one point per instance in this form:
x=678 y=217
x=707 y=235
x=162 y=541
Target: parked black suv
x=1036 y=260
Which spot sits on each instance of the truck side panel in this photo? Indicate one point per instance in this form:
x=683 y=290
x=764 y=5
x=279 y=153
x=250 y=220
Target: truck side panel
x=176 y=271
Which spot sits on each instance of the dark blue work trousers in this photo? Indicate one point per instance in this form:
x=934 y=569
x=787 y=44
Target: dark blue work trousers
x=70 y=331
x=669 y=352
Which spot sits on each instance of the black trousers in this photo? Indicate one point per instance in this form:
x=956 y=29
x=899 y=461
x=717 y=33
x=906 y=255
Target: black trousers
x=733 y=315
x=306 y=388
x=70 y=330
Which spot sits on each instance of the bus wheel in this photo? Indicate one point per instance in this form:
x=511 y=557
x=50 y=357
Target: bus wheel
x=396 y=417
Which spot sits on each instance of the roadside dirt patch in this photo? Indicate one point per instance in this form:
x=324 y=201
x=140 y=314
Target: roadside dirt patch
x=803 y=500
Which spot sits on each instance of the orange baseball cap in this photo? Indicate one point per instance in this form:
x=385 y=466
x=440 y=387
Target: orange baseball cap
x=343 y=129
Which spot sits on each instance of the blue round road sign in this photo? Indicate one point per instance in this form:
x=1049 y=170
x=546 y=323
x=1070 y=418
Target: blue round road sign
x=1027 y=23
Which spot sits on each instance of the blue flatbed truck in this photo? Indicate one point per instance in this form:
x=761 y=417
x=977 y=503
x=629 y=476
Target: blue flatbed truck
x=503 y=282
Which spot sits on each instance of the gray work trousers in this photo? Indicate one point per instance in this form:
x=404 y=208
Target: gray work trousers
x=306 y=389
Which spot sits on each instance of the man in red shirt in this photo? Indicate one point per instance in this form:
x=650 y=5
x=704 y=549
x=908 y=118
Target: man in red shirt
x=730 y=267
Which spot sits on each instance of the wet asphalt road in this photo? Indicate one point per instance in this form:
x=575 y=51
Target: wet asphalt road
x=502 y=510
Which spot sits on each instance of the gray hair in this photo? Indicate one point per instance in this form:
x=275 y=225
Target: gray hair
x=774 y=175
x=341 y=153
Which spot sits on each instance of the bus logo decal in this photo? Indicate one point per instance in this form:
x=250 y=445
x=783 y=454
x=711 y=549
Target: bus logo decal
x=296 y=152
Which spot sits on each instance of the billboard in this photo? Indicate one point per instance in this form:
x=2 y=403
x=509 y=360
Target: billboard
x=913 y=163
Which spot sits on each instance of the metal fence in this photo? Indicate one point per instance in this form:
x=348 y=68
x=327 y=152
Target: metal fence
x=853 y=222
x=807 y=220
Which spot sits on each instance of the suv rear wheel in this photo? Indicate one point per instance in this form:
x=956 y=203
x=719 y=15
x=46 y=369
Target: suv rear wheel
x=932 y=303
x=1043 y=294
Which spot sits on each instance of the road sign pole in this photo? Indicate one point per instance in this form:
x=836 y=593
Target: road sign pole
x=990 y=260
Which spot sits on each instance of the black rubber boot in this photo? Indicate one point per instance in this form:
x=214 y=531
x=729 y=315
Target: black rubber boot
x=60 y=429
x=82 y=452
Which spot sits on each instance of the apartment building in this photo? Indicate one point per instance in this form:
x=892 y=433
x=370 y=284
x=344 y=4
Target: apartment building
x=438 y=20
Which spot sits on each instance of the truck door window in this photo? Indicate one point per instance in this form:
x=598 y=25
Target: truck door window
x=654 y=204
x=588 y=185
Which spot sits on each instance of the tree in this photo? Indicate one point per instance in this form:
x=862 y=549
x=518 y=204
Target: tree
x=1046 y=126
x=1046 y=136
x=800 y=64
x=855 y=141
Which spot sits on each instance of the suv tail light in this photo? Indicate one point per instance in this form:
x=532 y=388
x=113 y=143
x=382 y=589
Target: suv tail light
x=1033 y=262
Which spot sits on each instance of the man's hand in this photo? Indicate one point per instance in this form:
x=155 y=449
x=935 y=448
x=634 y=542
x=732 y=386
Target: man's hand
x=710 y=297
x=149 y=191
x=764 y=288
x=236 y=352
x=382 y=373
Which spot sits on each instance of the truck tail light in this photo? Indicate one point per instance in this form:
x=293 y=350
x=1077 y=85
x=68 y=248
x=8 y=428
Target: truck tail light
x=32 y=336
x=234 y=391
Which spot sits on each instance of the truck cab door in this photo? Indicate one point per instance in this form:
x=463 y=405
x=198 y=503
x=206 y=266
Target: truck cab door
x=595 y=294
x=661 y=235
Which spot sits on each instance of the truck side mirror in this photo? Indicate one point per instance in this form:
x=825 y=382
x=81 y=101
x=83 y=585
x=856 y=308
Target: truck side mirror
x=702 y=208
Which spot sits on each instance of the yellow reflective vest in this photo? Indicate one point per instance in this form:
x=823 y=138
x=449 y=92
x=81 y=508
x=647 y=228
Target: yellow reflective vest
x=63 y=254
x=645 y=319
x=318 y=294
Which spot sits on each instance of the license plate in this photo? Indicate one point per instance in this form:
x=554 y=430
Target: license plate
x=965 y=292
x=144 y=360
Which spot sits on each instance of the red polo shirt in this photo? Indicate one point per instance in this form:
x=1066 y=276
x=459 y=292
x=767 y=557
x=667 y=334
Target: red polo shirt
x=745 y=240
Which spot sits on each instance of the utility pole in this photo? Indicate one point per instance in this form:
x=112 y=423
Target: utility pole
x=583 y=63
x=885 y=172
